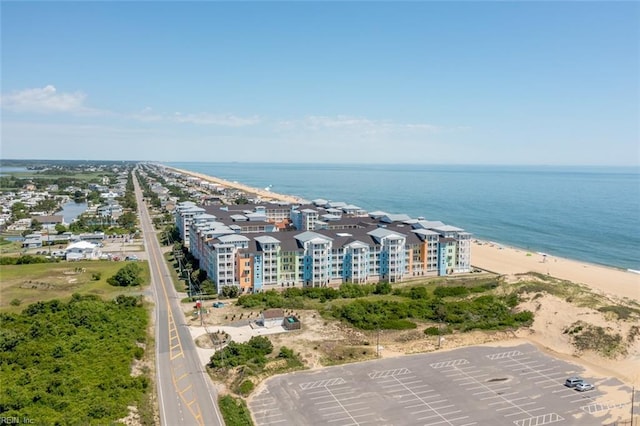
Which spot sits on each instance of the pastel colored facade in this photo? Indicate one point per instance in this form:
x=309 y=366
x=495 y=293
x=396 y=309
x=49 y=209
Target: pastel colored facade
x=246 y=246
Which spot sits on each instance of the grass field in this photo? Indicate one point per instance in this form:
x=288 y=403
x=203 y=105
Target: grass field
x=87 y=176
x=46 y=281
x=10 y=247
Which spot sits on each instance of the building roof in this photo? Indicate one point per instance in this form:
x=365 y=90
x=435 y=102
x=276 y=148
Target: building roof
x=448 y=228
x=391 y=217
x=428 y=224
x=82 y=245
x=379 y=233
x=310 y=236
x=377 y=214
x=48 y=219
x=273 y=314
x=233 y=238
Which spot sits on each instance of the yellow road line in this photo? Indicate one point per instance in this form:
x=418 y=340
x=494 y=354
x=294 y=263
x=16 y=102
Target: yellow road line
x=172 y=327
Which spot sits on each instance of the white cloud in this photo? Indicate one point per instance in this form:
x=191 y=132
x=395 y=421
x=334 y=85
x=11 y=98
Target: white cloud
x=45 y=100
x=227 y=120
x=361 y=125
x=205 y=119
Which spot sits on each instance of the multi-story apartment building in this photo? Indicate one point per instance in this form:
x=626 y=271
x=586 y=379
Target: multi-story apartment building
x=237 y=247
x=184 y=213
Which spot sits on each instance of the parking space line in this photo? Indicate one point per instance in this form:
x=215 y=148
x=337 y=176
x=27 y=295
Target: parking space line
x=596 y=407
x=538 y=371
x=417 y=395
x=388 y=373
x=540 y=420
x=322 y=383
x=504 y=355
x=531 y=366
x=505 y=400
x=451 y=363
x=270 y=415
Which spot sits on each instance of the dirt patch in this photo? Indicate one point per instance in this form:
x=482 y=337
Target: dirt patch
x=133 y=418
x=37 y=285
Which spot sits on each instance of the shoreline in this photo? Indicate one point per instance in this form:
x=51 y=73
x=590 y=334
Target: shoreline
x=509 y=260
x=500 y=258
x=265 y=195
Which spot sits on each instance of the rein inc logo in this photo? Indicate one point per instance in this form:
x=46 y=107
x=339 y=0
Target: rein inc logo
x=16 y=420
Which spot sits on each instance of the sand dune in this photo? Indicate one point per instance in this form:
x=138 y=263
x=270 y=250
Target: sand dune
x=509 y=260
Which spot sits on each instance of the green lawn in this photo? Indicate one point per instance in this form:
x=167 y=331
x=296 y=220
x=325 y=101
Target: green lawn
x=47 y=281
x=88 y=176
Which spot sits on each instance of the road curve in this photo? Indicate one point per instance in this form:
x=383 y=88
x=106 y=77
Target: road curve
x=186 y=395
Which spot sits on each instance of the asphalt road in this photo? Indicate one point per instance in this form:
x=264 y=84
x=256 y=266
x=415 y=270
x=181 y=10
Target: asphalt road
x=186 y=395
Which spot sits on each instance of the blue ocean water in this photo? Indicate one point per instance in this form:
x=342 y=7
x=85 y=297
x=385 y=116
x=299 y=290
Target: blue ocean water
x=590 y=214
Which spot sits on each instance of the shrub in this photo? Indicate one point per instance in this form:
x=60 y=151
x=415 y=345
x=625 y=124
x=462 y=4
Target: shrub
x=234 y=411
x=15 y=302
x=432 y=331
x=383 y=288
x=286 y=353
x=96 y=276
x=230 y=291
x=235 y=354
x=622 y=312
x=524 y=317
x=127 y=276
x=138 y=352
x=446 y=291
x=245 y=387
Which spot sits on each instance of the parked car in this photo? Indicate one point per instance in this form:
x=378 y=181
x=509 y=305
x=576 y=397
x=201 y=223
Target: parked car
x=572 y=382
x=218 y=305
x=584 y=386
x=132 y=258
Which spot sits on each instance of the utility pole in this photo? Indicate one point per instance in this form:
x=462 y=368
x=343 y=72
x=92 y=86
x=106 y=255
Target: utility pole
x=633 y=392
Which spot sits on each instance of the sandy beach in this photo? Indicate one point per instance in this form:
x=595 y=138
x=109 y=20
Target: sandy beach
x=264 y=195
x=509 y=260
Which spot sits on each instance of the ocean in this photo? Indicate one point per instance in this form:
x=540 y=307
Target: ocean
x=590 y=214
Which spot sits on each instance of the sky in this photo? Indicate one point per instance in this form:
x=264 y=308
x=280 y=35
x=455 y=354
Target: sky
x=532 y=83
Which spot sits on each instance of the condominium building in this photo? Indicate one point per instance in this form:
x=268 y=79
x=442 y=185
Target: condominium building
x=237 y=246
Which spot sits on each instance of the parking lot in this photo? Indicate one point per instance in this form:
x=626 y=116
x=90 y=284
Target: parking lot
x=484 y=385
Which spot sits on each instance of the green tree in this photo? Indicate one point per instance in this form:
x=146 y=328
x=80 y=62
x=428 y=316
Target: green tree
x=383 y=287
x=19 y=211
x=36 y=225
x=60 y=228
x=127 y=220
x=230 y=291
x=79 y=196
x=127 y=276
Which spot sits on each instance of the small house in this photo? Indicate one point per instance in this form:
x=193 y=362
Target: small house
x=272 y=317
x=82 y=250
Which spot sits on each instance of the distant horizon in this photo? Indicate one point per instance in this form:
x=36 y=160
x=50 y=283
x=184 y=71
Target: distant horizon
x=595 y=166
